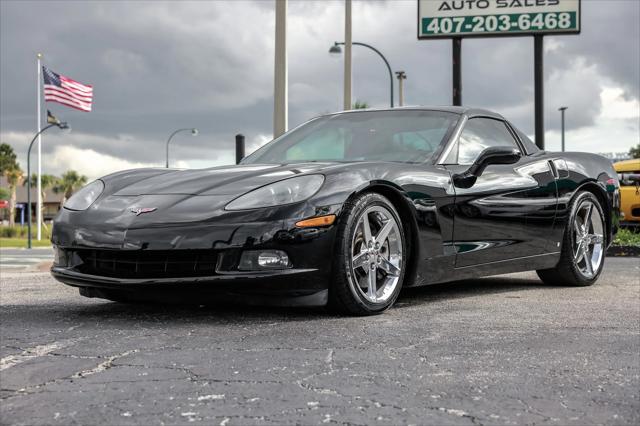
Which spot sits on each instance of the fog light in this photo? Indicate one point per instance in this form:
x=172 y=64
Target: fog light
x=59 y=257
x=255 y=260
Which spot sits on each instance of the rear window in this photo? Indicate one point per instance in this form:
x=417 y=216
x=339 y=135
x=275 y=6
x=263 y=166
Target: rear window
x=629 y=178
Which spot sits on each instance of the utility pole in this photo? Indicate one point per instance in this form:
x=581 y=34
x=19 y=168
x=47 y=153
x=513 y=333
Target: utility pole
x=402 y=76
x=280 y=96
x=562 y=110
x=347 y=55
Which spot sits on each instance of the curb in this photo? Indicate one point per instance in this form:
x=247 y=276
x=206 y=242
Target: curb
x=623 y=251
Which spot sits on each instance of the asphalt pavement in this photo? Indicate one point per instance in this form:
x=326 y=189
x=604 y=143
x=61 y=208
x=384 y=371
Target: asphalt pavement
x=502 y=350
x=19 y=259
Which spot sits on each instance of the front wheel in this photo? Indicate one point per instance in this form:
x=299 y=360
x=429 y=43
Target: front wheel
x=371 y=256
x=583 y=246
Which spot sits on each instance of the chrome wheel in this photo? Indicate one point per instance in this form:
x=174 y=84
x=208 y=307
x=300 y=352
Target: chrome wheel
x=376 y=255
x=588 y=239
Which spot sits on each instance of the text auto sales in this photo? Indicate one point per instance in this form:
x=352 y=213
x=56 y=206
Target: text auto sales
x=484 y=4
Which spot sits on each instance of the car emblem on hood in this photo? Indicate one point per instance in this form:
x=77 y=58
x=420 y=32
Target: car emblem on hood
x=140 y=210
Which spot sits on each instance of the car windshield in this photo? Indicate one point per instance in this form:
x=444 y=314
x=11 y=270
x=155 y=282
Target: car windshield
x=402 y=136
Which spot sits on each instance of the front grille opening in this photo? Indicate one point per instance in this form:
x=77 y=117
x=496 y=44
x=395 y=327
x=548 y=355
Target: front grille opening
x=147 y=264
x=635 y=212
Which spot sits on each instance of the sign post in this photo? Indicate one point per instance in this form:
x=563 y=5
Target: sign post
x=456 y=50
x=538 y=89
x=456 y=19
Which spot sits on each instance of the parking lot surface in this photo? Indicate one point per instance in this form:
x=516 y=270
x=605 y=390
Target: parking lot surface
x=16 y=259
x=500 y=350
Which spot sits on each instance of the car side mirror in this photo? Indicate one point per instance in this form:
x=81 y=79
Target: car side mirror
x=491 y=155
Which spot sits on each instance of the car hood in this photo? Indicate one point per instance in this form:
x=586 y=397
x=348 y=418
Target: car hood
x=226 y=180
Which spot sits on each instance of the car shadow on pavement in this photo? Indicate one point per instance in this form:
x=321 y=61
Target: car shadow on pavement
x=89 y=310
x=470 y=288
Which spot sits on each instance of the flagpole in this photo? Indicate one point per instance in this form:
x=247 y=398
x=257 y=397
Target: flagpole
x=39 y=185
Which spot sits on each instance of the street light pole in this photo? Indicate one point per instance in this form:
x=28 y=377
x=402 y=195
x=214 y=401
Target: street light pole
x=336 y=49
x=562 y=110
x=194 y=132
x=402 y=76
x=53 y=122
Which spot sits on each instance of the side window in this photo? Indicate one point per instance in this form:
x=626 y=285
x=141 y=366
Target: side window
x=529 y=146
x=481 y=133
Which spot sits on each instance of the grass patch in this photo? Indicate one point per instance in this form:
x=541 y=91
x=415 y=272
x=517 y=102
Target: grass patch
x=22 y=243
x=18 y=231
x=627 y=237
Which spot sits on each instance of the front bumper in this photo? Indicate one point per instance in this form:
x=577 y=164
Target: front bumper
x=290 y=287
x=306 y=282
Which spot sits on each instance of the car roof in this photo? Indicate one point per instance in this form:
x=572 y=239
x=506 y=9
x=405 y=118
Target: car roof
x=627 y=165
x=469 y=111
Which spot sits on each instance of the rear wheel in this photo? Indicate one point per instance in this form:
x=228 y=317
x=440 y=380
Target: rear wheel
x=370 y=263
x=583 y=247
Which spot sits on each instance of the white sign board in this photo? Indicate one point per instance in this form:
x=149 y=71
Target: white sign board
x=489 y=18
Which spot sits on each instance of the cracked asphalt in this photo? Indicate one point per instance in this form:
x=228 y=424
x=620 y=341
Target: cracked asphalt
x=500 y=350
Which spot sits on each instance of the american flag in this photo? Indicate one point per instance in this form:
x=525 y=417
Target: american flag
x=61 y=89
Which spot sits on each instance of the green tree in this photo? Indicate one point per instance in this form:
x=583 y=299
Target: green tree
x=360 y=105
x=69 y=183
x=47 y=182
x=7 y=158
x=634 y=152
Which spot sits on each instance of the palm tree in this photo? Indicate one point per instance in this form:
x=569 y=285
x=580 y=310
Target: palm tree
x=46 y=182
x=10 y=169
x=8 y=159
x=69 y=183
x=14 y=177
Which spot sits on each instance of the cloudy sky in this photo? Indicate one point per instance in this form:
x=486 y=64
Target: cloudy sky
x=157 y=66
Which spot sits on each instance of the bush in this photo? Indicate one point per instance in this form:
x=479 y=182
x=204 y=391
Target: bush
x=9 y=231
x=21 y=231
x=626 y=237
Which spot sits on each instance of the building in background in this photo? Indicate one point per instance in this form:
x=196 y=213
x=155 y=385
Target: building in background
x=51 y=203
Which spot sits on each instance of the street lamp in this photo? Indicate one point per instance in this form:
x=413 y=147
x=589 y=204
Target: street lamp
x=53 y=122
x=562 y=110
x=194 y=132
x=336 y=50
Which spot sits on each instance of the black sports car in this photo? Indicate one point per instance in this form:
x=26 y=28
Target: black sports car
x=345 y=210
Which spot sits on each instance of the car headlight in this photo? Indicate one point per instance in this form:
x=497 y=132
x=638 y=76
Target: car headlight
x=82 y=199
x=285 y=191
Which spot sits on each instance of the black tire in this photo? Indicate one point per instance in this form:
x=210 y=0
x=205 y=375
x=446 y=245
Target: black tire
x=343 y=294
x=566 y=272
